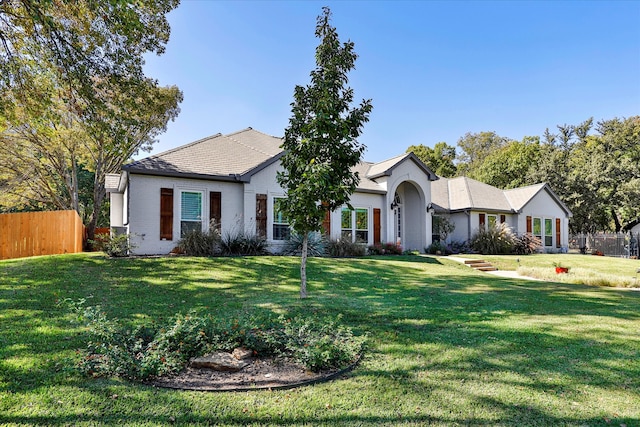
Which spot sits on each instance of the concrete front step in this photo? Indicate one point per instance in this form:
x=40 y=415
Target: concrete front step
x=486 y=268
x=480 y=265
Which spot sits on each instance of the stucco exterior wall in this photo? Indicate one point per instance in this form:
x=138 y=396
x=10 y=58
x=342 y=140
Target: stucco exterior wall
x=116 y=209
x=140 y=212
x=543 y=206
x=417 y=222
x=367 y=201
x=460 y=221
x=144 y=212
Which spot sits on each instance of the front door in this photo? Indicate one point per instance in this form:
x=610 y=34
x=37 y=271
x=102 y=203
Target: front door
x=397 y=218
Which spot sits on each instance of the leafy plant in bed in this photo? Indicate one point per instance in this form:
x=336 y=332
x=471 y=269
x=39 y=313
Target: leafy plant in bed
x=144 y=352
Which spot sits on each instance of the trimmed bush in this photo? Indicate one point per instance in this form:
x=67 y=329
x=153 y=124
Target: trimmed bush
x=344 y=248
x=451 y=248
x=437 y=248
x=385 y=249
x=116 y=245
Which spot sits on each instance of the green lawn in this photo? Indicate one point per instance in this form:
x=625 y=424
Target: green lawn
x=448 y=346
x=584 y=269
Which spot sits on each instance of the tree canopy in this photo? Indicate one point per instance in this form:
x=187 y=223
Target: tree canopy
x=593 y=167
x=74 y=100
x=440 y=159
x=320 y=143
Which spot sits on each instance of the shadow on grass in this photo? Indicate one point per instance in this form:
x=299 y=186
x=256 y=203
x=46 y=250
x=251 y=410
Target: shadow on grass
x=424 y=318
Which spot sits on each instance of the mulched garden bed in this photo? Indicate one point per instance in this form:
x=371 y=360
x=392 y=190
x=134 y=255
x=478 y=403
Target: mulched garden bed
x=261 y=373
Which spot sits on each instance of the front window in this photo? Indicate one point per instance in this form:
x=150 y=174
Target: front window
x=548 y=232
x=281 y=230
x=492 y=221
x=362 y=225
x=347 y=232
x=537 y=228
x=190 y=212
x=355 y=224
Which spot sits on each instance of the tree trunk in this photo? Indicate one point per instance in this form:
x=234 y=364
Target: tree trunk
x=303 y=267
x=99 y=195
x=616 y=220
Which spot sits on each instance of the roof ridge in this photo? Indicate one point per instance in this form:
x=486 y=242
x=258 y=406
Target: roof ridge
x=470 y=195
x=230 y=136
x=392 y=158
x=540 y=184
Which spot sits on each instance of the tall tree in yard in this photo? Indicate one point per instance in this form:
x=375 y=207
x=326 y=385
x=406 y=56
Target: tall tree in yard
x=320 y=142
x=73 y=95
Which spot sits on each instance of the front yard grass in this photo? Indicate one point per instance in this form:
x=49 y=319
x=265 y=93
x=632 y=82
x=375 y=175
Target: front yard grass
x=583 y=269
x=447 y=345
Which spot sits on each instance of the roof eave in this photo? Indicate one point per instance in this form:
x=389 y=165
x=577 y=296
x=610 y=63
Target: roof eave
x=246 y=176
x=370 y=191
x=186 y=175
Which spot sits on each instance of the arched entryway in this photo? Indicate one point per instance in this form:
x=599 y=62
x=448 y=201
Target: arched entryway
x=409 y=217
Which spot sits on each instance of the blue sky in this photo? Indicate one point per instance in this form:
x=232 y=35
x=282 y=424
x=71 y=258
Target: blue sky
x=434 y=70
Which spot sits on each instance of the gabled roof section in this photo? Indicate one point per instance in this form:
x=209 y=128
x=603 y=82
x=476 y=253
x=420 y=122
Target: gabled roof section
x=366 y=185
x=461 y=193
x=233 y=157
x=519 y=197
x=386 y=167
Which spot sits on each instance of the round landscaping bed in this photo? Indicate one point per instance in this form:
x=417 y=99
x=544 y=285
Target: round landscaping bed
x=267 y=373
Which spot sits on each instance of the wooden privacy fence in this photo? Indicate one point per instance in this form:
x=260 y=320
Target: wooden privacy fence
x=40 y=233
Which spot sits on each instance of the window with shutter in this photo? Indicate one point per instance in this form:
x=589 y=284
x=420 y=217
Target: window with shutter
x=166 y=214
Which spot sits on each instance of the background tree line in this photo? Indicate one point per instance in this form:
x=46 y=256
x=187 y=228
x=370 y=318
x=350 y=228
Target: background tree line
x=594 y=168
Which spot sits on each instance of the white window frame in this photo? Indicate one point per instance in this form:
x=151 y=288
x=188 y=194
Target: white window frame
x=181 y=220
x=544 y=234
x=277 y=223
x=352 y=231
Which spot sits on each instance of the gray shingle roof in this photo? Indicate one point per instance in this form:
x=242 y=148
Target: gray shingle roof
x=366 y=184
x=462 y=193
x=385 y=167
x=238 y=155
x=219 y=156
x=519 y=197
